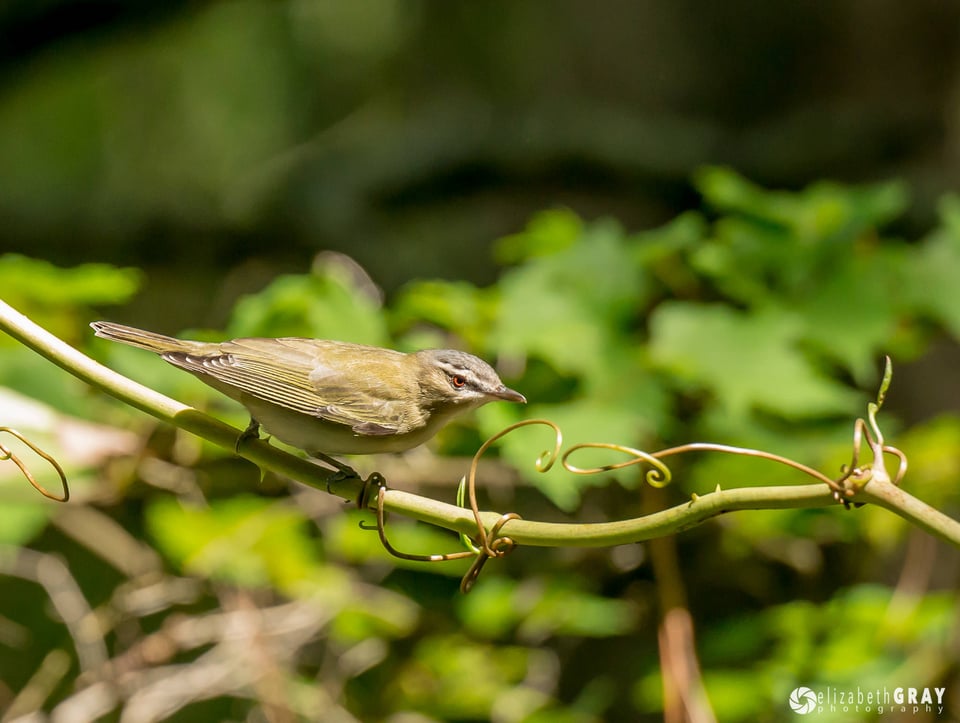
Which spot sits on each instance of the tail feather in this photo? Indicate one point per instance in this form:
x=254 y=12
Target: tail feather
x=157 y=343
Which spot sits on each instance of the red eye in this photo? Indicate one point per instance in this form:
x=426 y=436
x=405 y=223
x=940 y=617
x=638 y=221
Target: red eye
x=458 y=381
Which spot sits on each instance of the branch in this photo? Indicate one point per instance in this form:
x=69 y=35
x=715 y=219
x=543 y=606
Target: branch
x=163 y=408
x=884 y=493
x=452 y=517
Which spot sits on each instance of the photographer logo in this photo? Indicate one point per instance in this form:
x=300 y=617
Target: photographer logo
x=803 y=700
x=875 y=701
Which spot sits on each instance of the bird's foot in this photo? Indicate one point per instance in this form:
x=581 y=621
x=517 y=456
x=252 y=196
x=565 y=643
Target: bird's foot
x=343 y=471
x=251 y=432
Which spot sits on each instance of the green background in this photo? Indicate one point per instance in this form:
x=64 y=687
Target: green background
x=663 y=223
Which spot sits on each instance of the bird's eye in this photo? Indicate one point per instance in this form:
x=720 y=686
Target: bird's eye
x=458 y=380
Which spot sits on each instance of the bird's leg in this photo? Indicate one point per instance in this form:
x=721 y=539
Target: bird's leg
x=342 y=469
x=251 y=432
x=344 y=472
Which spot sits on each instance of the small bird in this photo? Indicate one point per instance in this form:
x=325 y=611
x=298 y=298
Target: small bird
x=332 y=397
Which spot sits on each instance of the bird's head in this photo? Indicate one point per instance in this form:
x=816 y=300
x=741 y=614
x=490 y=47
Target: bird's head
x=454 y=378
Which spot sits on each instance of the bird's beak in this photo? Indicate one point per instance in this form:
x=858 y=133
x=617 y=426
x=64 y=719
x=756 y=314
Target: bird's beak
x=509 y=395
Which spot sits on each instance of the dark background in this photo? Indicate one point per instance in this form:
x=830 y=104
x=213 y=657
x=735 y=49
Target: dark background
x=217 y=143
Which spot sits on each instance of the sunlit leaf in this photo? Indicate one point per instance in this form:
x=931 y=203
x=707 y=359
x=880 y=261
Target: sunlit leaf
x=569 y=308
x=580 y=421
x=547 y=233
x=326 y=304
x=855 y=311
x=346 y=539
x=245 y=540
x=58 y=298
x=565 y=610
x=734 y=695
x=825 y=211
x=20 y=519
x=744 y=361
x=42 y=282
x=538 y=609
x=457 y=307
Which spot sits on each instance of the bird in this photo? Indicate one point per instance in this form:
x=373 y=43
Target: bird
x=332 y=397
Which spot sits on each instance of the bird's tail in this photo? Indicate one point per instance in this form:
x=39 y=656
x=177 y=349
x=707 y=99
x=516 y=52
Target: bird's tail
x=157 y=343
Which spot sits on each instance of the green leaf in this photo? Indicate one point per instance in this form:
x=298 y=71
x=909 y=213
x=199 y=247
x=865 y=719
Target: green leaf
x=746 y=260
x=547 y=233
x=825 y=210
x=777 y=246
x=565 y=610
x=582 y=420
x=491 y=610
x=57 y=298
x=20 y=520
x=345 y=539
x=244 y=540
x=459 y=307
x=733 y=695
x=571 y=308
x=382 y=615
x=326 y=304
x=935 y=279
x=42 y=283
x=853 y=314
x=663 y=254
x=744 y=361
x=540 y=609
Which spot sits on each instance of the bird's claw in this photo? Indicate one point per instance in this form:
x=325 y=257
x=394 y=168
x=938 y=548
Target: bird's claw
x=341 y=475
x=343 y=472
x=251 y=432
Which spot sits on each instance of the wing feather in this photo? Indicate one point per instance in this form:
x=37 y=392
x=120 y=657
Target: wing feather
x=292 y=374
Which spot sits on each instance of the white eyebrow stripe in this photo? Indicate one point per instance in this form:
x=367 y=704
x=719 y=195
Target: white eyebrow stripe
x=451 y=369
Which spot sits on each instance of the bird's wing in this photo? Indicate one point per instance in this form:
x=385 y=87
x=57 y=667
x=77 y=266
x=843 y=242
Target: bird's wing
x=291 y=373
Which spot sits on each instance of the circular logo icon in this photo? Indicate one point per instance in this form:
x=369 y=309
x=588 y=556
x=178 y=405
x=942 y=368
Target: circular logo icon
x=803 y=700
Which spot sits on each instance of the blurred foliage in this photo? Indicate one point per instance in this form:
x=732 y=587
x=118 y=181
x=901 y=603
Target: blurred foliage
x=61 y=299
x=152 y=133
x=758 y=321
x=327 y=304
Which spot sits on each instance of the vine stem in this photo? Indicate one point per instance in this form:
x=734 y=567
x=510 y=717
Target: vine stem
x=885 y=494
x=162 y=407
x=524 y=532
